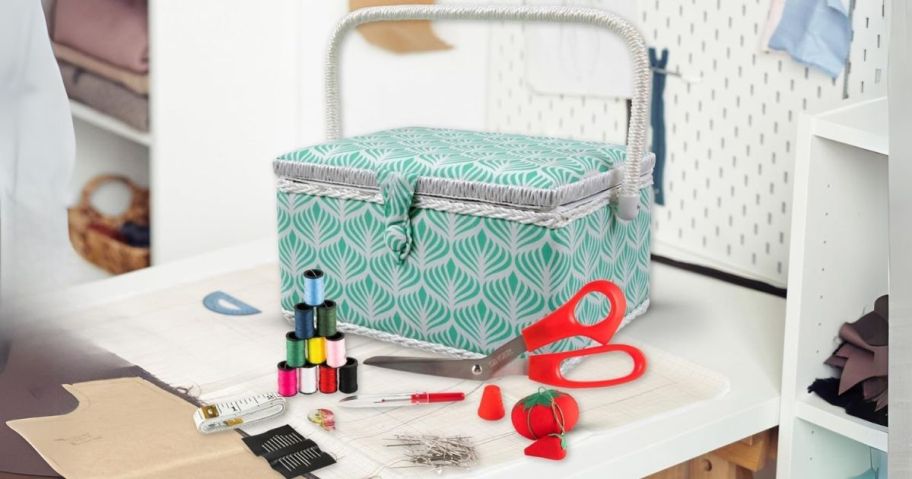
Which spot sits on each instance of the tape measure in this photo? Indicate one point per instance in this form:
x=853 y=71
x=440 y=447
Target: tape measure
x=231 y=414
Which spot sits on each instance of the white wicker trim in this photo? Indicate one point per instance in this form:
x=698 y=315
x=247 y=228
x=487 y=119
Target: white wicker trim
x=463 y=190
x=432 y=347
x=556 y=218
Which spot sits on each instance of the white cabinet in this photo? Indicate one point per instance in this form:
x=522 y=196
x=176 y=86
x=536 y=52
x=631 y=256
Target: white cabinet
x=838 y=267
x=223 y=102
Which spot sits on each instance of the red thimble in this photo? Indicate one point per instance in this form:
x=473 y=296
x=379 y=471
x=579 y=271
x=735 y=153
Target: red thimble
x=491 y=406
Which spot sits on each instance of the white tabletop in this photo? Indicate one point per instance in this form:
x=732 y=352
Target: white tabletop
x=734 y=331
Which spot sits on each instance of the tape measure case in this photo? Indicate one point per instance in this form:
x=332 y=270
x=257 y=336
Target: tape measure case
x=453 y=241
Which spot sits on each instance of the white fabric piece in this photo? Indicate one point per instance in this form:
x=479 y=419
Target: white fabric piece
x=37 y=151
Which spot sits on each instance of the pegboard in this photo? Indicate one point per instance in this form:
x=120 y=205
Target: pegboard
x=730 y=135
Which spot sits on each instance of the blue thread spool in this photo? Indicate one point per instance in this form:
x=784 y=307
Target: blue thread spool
x=314 y=292
x=304 y=321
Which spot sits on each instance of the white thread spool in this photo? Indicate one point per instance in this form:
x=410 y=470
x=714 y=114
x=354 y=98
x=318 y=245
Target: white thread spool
x=307 y=383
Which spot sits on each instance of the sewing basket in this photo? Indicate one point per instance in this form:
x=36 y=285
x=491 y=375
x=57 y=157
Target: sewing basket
x=453 y=241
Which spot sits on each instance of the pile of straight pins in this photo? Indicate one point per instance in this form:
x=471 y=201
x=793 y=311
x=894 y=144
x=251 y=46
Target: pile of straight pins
x=436 y=452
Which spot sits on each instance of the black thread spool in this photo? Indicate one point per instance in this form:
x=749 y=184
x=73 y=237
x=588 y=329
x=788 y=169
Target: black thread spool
x=348 y=376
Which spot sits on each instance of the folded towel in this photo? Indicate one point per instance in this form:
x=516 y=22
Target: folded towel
x=132 y=80
x=106 y=96
x=115 y=31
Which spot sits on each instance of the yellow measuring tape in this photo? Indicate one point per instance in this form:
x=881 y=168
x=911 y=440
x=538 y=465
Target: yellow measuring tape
x=231 y=414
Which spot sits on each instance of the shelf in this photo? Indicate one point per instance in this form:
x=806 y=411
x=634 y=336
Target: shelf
x=108 y=123
x=816 y=411
x=862 y=125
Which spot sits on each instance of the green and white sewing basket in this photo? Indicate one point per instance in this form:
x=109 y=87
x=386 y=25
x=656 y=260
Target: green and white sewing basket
x=453 y=241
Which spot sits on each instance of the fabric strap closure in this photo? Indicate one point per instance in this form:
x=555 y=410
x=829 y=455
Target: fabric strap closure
x=398 y=192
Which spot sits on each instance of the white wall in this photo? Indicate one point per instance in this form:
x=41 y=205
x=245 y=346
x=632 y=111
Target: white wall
x=381 y=89
x=236 y=83
x=224 y=78
x=730 y=137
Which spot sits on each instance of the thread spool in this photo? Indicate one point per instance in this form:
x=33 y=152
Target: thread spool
x=288 y=379
x=335 y=350
x=295 y=350
x=304 y=320
x=328 y=379
x=326 y=319
x=348 y=376
x=309 y=379
x=314 y=292
x=316 y=350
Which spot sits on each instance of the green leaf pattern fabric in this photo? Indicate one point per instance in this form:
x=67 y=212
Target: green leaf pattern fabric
x=469 y=282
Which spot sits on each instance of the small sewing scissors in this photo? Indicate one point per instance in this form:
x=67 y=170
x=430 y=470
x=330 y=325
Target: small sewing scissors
x=543 y=368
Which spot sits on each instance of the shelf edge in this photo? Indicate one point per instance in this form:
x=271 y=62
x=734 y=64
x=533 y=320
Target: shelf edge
x=871 y=435
x=105 y=122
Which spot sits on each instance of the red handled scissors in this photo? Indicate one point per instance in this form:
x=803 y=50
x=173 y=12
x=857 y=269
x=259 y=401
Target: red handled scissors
x=543 y=368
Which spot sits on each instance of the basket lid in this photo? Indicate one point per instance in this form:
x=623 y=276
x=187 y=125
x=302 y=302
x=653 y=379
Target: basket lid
x=516 y=170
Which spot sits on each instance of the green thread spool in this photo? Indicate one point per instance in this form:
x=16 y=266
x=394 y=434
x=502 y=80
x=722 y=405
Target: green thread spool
x=326 y=319
x=295 y=350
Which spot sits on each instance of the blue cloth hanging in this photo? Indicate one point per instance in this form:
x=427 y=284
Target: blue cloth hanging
x=816 y=33
x=657 y=120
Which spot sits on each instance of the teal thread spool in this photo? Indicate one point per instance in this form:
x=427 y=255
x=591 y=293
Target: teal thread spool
x=295 y=350
x=326 y=319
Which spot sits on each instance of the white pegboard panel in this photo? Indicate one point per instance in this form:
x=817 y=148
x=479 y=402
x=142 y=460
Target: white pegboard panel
x=730 y=137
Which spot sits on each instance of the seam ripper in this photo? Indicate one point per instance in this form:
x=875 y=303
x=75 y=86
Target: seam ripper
x=403 y=399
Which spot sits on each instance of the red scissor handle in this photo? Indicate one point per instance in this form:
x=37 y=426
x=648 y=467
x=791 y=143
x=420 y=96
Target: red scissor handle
x=545 y=368
x=562 y=323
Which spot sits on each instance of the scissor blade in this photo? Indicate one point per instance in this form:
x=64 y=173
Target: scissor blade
x=450 y=368
x=500 y=362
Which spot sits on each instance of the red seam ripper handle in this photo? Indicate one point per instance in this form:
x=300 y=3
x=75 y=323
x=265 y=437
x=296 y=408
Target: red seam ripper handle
x=562 y=323
x=545 y=368
x=437 y=397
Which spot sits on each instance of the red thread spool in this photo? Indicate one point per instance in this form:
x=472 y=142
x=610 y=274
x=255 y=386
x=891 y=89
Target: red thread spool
x=328 y=379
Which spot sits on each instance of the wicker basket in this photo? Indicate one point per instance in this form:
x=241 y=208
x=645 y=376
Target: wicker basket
x=93 y=234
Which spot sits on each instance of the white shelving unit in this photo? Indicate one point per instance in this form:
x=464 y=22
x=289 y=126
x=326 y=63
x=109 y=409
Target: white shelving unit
x=221 y=106
x=838 y=267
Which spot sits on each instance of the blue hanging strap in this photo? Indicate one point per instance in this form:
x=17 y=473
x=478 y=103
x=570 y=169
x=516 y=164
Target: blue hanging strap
x=657 y=120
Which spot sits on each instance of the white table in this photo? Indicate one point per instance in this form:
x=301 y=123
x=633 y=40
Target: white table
x=729 y=329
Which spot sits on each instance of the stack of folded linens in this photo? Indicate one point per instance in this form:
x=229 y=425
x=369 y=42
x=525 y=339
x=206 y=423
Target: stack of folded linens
x=102 y=47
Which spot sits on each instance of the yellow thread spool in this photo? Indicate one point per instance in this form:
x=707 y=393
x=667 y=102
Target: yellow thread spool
x=316 y=350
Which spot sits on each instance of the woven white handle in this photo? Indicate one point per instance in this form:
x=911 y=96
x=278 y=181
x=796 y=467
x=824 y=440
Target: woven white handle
x=629 y=198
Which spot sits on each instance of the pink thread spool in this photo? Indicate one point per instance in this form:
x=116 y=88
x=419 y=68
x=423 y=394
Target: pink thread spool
x=288 y=379
x=335 y=350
